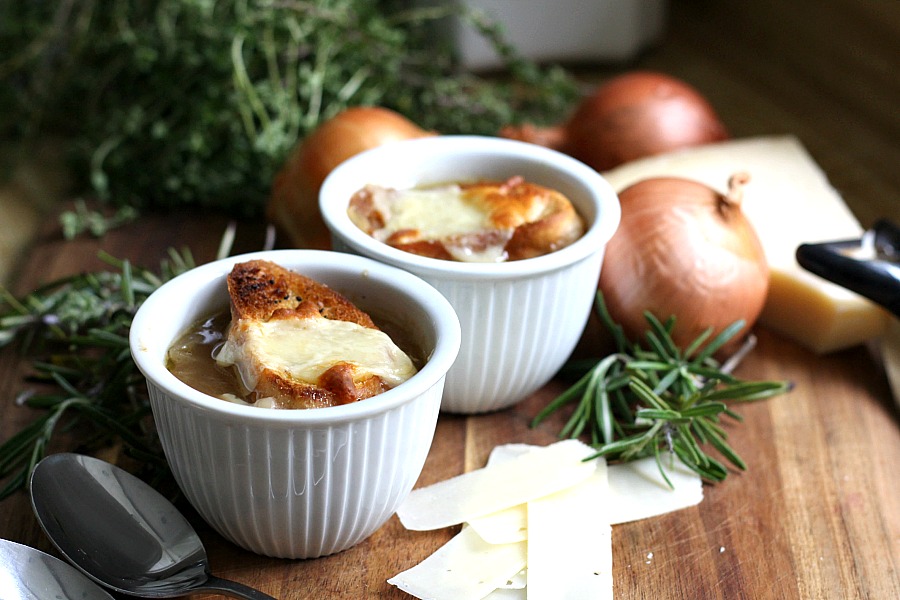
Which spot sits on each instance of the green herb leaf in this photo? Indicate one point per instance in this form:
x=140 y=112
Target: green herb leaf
x=641 y=402
x=76 y=332
x=174 y=102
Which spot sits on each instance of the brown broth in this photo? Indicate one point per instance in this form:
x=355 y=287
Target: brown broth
x=191 y=360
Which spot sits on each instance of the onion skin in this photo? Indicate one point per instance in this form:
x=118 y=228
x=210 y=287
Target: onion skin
x=638 y=114
x=684 y=250
x=293 y=205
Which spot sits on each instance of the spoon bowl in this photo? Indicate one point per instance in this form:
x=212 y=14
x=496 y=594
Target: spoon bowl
x=26 y=573
x=121 y=532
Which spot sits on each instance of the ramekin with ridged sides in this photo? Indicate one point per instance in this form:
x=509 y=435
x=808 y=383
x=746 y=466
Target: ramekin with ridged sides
x=520 y=319
x=298 y=483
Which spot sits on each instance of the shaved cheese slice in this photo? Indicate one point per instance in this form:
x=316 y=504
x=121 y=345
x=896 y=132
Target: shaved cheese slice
x=638 y=491
x=553 y=563
x=502 y=527
x=465 y=568
x=507 y=525
x=507 y=594
x=563 y=566
x=517 y=582
x=789 y=201
x=483 y=491
x=504 y=452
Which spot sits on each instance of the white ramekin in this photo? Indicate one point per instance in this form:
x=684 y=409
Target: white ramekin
x=297 y=483
x=520 y=319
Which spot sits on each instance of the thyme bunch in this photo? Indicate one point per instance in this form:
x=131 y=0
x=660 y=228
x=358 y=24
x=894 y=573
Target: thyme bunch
x=77 y=330
x=193 y=102
x=643 y=401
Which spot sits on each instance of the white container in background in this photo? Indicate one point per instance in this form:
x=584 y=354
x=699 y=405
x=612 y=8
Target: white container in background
x=562 y=30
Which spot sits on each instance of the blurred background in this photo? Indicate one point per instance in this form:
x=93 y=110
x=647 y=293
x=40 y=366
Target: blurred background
x=197 y=104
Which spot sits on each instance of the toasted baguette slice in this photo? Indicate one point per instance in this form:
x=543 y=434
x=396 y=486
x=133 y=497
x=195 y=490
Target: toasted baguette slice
x=484 y=221
x=300 y=344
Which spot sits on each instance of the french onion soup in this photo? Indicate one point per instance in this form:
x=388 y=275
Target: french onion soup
x=483 y=221
x=288 y=342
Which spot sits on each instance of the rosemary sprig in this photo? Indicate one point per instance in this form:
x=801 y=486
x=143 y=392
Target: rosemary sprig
x=76 y=328
x=644 y=401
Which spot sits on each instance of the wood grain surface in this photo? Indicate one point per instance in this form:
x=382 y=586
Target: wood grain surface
x=817 y=515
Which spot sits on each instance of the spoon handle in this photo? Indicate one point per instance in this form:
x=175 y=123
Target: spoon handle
x=231 y=588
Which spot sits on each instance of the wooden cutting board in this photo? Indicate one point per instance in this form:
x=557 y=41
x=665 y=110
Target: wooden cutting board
x=817 y=515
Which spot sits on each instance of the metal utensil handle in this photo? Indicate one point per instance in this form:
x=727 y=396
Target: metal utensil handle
x=877 y=280
x=231 y=588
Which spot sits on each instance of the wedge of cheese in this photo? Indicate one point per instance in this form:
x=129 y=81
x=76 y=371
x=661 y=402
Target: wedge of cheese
x=789 y=201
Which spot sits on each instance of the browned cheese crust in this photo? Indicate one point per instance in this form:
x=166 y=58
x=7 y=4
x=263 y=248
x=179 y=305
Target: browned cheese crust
x=533 y=219
x=263 y=291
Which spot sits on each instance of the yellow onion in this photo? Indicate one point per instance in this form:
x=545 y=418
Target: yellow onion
x=637 y=114
x=684 y=250
x=294 y=202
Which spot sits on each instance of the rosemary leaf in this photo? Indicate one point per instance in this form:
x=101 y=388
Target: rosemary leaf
x=667 y=381
x=660 y=340
x=643 y=392
x=707 y=409
x=720 y=340
x=686 y=441
x=75 y=332
x=748 y=391
x=564 y=398
x=657 y=455
x=661 y=414
x=660 y=399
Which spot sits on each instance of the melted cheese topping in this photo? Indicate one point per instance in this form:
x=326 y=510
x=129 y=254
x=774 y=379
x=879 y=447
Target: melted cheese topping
x=303 y=349
x=440 y=213
x=486 y=221
x=433 y=212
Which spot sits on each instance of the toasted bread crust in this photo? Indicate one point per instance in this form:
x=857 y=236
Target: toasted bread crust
x=341 y=384
x=264 y=291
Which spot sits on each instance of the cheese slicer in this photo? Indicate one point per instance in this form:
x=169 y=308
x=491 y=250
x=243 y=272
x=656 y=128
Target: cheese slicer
x=869 y=266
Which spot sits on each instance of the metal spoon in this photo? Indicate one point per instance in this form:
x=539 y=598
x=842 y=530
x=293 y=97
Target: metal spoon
x=121 y=532
x=29 y=574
